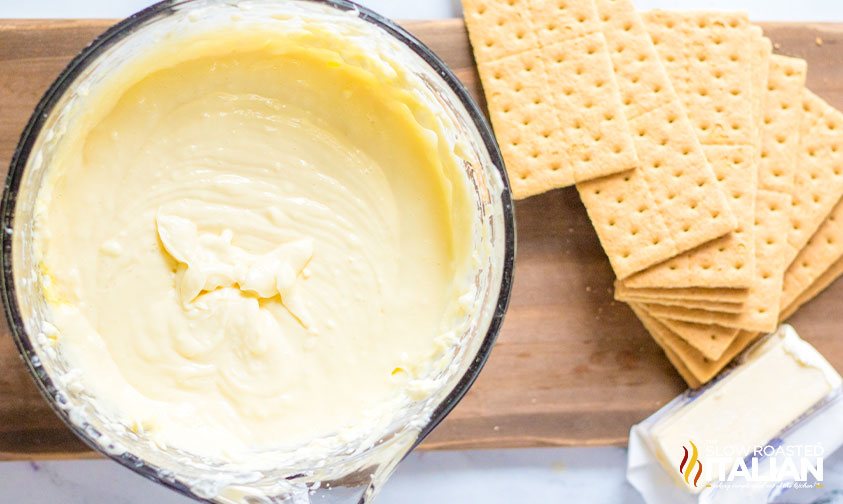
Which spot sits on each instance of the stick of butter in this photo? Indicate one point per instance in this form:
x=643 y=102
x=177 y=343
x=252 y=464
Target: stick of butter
x=721 y=435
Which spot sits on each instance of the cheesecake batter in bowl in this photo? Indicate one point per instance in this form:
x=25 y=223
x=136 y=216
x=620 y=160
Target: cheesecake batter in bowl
x=255 y=248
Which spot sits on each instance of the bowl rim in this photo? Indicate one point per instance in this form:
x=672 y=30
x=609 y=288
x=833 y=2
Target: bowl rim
x=68 y=75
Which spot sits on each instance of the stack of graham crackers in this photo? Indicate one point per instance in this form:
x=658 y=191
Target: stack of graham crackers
x=712 y=176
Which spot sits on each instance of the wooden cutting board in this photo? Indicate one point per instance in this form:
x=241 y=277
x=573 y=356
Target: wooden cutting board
x=571 y=366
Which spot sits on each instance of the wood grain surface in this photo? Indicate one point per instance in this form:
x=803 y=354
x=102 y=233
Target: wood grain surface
x=571 y=366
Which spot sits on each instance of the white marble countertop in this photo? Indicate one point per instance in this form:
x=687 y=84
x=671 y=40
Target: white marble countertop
x=577 y=475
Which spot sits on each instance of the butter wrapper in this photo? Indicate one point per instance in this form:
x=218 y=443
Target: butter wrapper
x=759 y=430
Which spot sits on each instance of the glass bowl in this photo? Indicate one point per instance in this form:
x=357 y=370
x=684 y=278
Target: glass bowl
x=351 y=476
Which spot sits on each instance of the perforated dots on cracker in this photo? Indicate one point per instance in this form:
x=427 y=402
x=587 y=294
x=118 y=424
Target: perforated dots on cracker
x=817 y=286
x=729 y=260
x=525 y=121
x=498 y=28
x=598 y=137
x=781 y=119
x=818 y=182
x=710 y=340
x=762 y=306
x=629 y=226
x=668 y=38
x=680 y=179
x=548 y=138
x=642 y=80
x=559 y=20
x=718 y=98
x=762 y=50
x=822 y=251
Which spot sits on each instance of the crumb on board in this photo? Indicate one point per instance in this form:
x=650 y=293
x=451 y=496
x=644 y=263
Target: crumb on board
x=777 y=46
x=819 y=41
x=558 y=467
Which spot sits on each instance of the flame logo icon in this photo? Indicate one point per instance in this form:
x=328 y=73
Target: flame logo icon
x=686 y=467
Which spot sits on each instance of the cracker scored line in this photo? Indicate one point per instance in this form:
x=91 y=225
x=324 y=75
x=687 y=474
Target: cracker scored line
x=782 y=116
x=763 y=50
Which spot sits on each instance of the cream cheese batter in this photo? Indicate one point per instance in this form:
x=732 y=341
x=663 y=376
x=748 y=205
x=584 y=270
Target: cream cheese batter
x=251 y=240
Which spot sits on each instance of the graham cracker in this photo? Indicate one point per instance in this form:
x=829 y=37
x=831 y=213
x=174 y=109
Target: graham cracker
x=762 y=306
x=821 y=252
x=642 y=79
x=781 y=115
x=598 y=140
x=704 y=56
x=551 y=93
x=690 y=364
x=726 y=295
x=498 y=28
x=692 y=297
x=781 y=118
x=762 y=51
x=712 y=68
x=630 y=228
x=681 y=181
x=557 y=20
x=632 y=240
x=525 y=121
x=713 y=306
x=727 y=261
x=710 y=340
x=680 y=367
x=660 y=333
x=818 y=183
x=676 y=175
x=819 y=285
